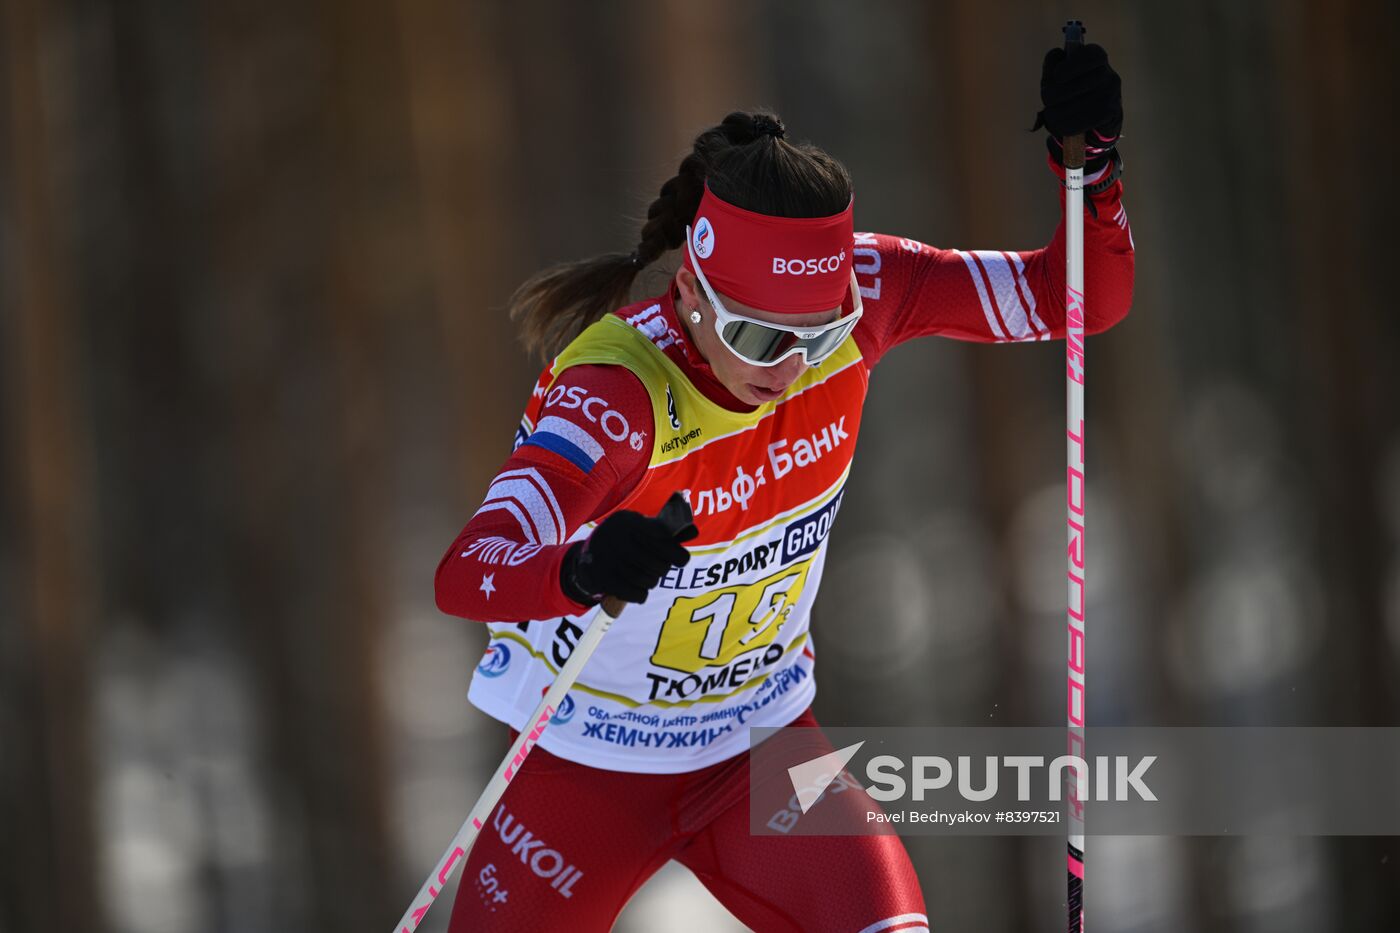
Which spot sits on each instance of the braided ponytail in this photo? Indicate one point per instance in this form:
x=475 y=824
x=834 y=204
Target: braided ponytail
x=746 y=160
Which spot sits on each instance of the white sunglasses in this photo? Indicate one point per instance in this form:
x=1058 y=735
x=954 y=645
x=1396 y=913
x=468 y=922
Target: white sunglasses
x=762 y=343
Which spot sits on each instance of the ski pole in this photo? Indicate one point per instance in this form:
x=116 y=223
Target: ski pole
x=1075 y=492
x=675 y=514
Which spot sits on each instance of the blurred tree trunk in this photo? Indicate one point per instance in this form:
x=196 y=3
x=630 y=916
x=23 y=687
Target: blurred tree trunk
x=463 y=116
x=1005 y=403
x=371 y=277
x=1348 y=381
x=46 y=773
x=312 y=263
x=675 y=42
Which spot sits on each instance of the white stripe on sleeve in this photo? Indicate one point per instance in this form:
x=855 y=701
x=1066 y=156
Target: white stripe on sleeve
x=982 y=294
x=1036 y=322
x=548 y=493
x=507 y=506
x=1004 y=291
x=526 y=495
x=896 y=921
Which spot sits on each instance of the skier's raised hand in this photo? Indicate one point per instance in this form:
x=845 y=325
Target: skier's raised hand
x=1081 y=93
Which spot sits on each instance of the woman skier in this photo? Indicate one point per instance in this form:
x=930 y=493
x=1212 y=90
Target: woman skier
x=741 y=386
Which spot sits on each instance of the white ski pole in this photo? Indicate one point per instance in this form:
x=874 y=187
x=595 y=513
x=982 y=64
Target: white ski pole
x=1075 y=492
x=675 y=514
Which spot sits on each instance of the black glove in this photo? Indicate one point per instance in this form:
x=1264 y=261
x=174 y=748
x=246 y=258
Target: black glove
x=1082 y=94
x=626 y=556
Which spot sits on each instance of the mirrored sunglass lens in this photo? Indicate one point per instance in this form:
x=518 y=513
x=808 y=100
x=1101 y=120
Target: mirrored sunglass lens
x=757 y=342
x=822 y=346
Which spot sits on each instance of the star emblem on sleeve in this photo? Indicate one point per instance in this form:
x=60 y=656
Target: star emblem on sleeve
x=488 y=585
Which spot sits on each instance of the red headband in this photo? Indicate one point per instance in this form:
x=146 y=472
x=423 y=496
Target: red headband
x=790 y=265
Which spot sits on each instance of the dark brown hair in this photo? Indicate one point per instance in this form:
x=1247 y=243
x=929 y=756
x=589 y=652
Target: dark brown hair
x=746 y=160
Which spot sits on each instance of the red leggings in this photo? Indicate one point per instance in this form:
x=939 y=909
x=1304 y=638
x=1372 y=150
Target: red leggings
x=568 y=845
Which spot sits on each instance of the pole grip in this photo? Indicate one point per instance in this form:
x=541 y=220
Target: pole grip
x=1074 y=145
x=677 y=517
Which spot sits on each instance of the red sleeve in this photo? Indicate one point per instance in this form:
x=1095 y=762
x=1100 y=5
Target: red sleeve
x=913 y=290
x=581 y=448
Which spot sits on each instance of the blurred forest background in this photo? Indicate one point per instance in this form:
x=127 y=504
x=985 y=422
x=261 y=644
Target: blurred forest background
x=254 y=376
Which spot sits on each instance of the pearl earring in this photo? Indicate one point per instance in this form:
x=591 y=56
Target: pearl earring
x=694 y=316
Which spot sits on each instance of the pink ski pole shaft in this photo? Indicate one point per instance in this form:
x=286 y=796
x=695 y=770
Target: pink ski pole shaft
x=1075 y=493
x=676 y=515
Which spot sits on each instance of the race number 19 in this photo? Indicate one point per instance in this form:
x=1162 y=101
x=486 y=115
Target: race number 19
x=718 y=626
